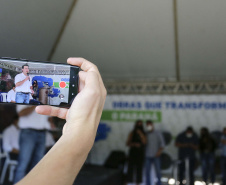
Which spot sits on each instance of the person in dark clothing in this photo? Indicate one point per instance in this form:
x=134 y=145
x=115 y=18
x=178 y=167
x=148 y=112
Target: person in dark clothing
x=223 y=156
x=207 y=147
x=35 y=89
x=187 y=143
x=136 y=141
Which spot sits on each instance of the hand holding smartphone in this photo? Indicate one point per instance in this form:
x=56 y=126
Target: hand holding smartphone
x=80 y=129
x=37 y=83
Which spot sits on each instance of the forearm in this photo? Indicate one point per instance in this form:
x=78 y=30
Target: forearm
x=27 y=111
x=64 y=160
x=159 y=152
x=20 y=83
x=143 y=139
x=129 y=140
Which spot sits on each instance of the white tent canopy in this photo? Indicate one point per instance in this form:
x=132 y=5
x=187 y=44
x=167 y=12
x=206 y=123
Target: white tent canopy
x=126 y=39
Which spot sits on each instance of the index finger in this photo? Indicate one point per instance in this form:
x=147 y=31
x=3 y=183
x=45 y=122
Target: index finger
x=84 y=64
x=87 y=66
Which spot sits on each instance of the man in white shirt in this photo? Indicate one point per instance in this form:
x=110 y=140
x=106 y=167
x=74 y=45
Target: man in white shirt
x=10 y=138
x=32 y=139
x=11 y=95
x=23 y=85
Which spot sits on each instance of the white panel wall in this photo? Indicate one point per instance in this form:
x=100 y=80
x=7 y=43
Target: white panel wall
x=202 y=38
x=29 y=28
x=126 y=39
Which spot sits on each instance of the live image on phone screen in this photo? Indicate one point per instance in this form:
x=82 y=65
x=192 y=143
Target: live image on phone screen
x=36 y=83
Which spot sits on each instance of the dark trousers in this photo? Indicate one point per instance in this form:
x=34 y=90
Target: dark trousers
x=156 y=162
x=223 y=169
x=135 y=164
x=191 y=170
x=208 y=161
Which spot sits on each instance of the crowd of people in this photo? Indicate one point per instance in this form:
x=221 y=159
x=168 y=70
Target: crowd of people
x=146 y=148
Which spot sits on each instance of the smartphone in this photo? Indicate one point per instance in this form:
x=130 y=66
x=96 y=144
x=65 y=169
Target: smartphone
x=25 y=81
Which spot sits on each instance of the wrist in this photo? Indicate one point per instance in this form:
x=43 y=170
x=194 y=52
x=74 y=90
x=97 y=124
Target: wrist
x=74 y=150
x=79 y=136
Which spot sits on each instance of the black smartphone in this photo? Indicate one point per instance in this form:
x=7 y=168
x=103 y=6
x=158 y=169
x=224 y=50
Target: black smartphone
x=25 y=81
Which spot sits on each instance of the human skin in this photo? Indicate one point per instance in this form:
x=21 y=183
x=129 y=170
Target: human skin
x=25 y=70
x=62 y=163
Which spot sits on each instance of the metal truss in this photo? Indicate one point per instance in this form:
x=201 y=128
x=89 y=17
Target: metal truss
x=34 y=71
x=114 y=87
x=49 y=72
x=9 y=66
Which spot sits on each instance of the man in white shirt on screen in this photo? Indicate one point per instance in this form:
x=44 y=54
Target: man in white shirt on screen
x=10 y=138
x=23 y=85
x=11 y=95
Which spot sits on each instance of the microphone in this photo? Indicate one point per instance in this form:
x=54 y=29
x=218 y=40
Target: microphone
x=28 y=75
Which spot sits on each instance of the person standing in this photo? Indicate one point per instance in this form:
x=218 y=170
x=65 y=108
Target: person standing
x=187 y=143
x=154 y=147
x=23 y=85
x=207 y=147
x=35 y=89
x=31 y=140
x=11 y=95
x=136 y=141
x=223 y=156
x=10 y=138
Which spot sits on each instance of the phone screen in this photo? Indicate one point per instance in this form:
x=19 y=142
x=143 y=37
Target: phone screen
x=37 y=83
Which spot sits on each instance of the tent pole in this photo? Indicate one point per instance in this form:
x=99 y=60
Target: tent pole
x=176 y=42
x=60 y=34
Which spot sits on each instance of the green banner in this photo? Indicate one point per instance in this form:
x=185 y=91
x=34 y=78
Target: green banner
x=131 y=116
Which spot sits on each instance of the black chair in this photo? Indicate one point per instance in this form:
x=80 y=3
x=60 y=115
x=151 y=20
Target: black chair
x=167 y=137
x=116 y=159
x=166 y=161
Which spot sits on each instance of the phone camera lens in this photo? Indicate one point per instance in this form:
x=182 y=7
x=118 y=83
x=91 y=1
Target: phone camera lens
x=73 y=85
